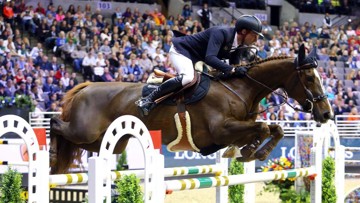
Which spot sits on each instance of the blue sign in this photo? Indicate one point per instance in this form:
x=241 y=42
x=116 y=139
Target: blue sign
x=286 y=147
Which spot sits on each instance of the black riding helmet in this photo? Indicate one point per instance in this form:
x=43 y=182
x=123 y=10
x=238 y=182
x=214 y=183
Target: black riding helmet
x=249 y=22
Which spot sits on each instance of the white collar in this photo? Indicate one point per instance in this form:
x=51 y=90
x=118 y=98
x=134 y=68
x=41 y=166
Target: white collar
x=235 y=43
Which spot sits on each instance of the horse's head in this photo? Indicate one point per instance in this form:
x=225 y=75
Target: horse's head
x=307 y=88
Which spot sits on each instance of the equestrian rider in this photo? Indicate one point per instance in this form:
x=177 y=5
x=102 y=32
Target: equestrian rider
x=211 y=46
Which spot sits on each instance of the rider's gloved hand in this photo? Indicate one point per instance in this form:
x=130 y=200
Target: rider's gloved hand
x=240 y=71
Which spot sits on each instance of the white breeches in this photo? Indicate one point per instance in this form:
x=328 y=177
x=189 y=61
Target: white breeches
x=183 y=66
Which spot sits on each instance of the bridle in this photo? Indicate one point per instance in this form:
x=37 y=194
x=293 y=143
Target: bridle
x=310 y=97
x=300 y=68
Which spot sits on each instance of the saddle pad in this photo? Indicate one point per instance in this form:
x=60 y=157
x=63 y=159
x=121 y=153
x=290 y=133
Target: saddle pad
x=198 y=94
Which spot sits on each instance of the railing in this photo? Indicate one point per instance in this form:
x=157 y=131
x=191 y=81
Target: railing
x=348 y=128
x=42 y=119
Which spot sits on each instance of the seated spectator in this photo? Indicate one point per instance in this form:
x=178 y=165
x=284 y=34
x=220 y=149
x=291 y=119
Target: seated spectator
x=186 y=11
x=105 y=34
x=19 y=77
x=158 y=17
x=46 y=64
x=105 y=48
x=77 y=57
x=21 y=62
x=357 y=77
x=353 y=115
x=323 y=55
x=272 y=119
x=145 y=63
x=52 y=107
x=10 y=88
x=74 y=78
x=60 y=16
x=281 y=117
x=135 y=70
x=54 y=63
x=67 y=49
x=116 y=15
x=3 y=93
x=23 y=51
x=314 y=33
x=349 y=95
x=324 y=33
x=83 y=42
x=344 y=57
x=88 y=63
x=100 y=59
x=158 y=55
x=22 y=90
x=350 y=31
x=10 y=46
x=50 y=37
x=70 y=86
x=167 y=43
x=49 y=87
x=60 y=73
x=107 y=75
x=330 y=94
x=35 y=51
x=114 y=63
x=115 y=44
x=27 y=19
x=295 y=121
x=158 y=64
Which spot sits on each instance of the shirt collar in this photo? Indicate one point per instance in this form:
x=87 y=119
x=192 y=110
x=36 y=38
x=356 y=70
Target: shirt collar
x=235 y=42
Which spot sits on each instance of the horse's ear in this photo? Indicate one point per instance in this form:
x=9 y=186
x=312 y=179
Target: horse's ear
x=301 y=54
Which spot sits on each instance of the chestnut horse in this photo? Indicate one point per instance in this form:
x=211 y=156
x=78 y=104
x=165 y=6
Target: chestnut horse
x=226 y=116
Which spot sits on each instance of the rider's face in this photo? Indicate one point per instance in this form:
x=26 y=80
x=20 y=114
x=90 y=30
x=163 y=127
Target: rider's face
x=250 y=38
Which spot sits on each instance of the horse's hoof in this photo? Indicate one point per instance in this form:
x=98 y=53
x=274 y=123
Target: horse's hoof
x=244 y=159
x=261 y=155
x=231 y=152
x=247 y=152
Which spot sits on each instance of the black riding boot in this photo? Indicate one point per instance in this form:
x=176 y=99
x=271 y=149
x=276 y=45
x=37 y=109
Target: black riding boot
x=147 y=103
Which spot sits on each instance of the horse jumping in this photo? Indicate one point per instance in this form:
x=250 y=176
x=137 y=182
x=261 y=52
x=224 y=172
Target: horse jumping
x=224 y=117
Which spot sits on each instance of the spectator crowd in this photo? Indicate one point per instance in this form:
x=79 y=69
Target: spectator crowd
x=128 y=45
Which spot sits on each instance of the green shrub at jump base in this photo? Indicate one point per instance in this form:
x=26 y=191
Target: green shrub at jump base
x=129 y=189
x=10 y=191
x=236 y=192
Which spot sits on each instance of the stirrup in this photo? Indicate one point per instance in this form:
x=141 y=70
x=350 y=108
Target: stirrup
x=143 y=102
x=144 y=106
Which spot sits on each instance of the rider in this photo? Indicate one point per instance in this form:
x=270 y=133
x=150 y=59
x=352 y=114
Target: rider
x=210 y=46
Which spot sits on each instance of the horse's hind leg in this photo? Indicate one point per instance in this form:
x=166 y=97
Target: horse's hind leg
x=277 y=133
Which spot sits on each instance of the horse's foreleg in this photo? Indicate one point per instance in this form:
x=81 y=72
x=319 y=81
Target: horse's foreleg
x=252 y=136
x=276 y=134
x=260 y=134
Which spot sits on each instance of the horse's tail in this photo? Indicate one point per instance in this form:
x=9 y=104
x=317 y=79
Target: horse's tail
x=66 y=152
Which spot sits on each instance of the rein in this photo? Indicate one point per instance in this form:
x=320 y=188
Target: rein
x=310 y=97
